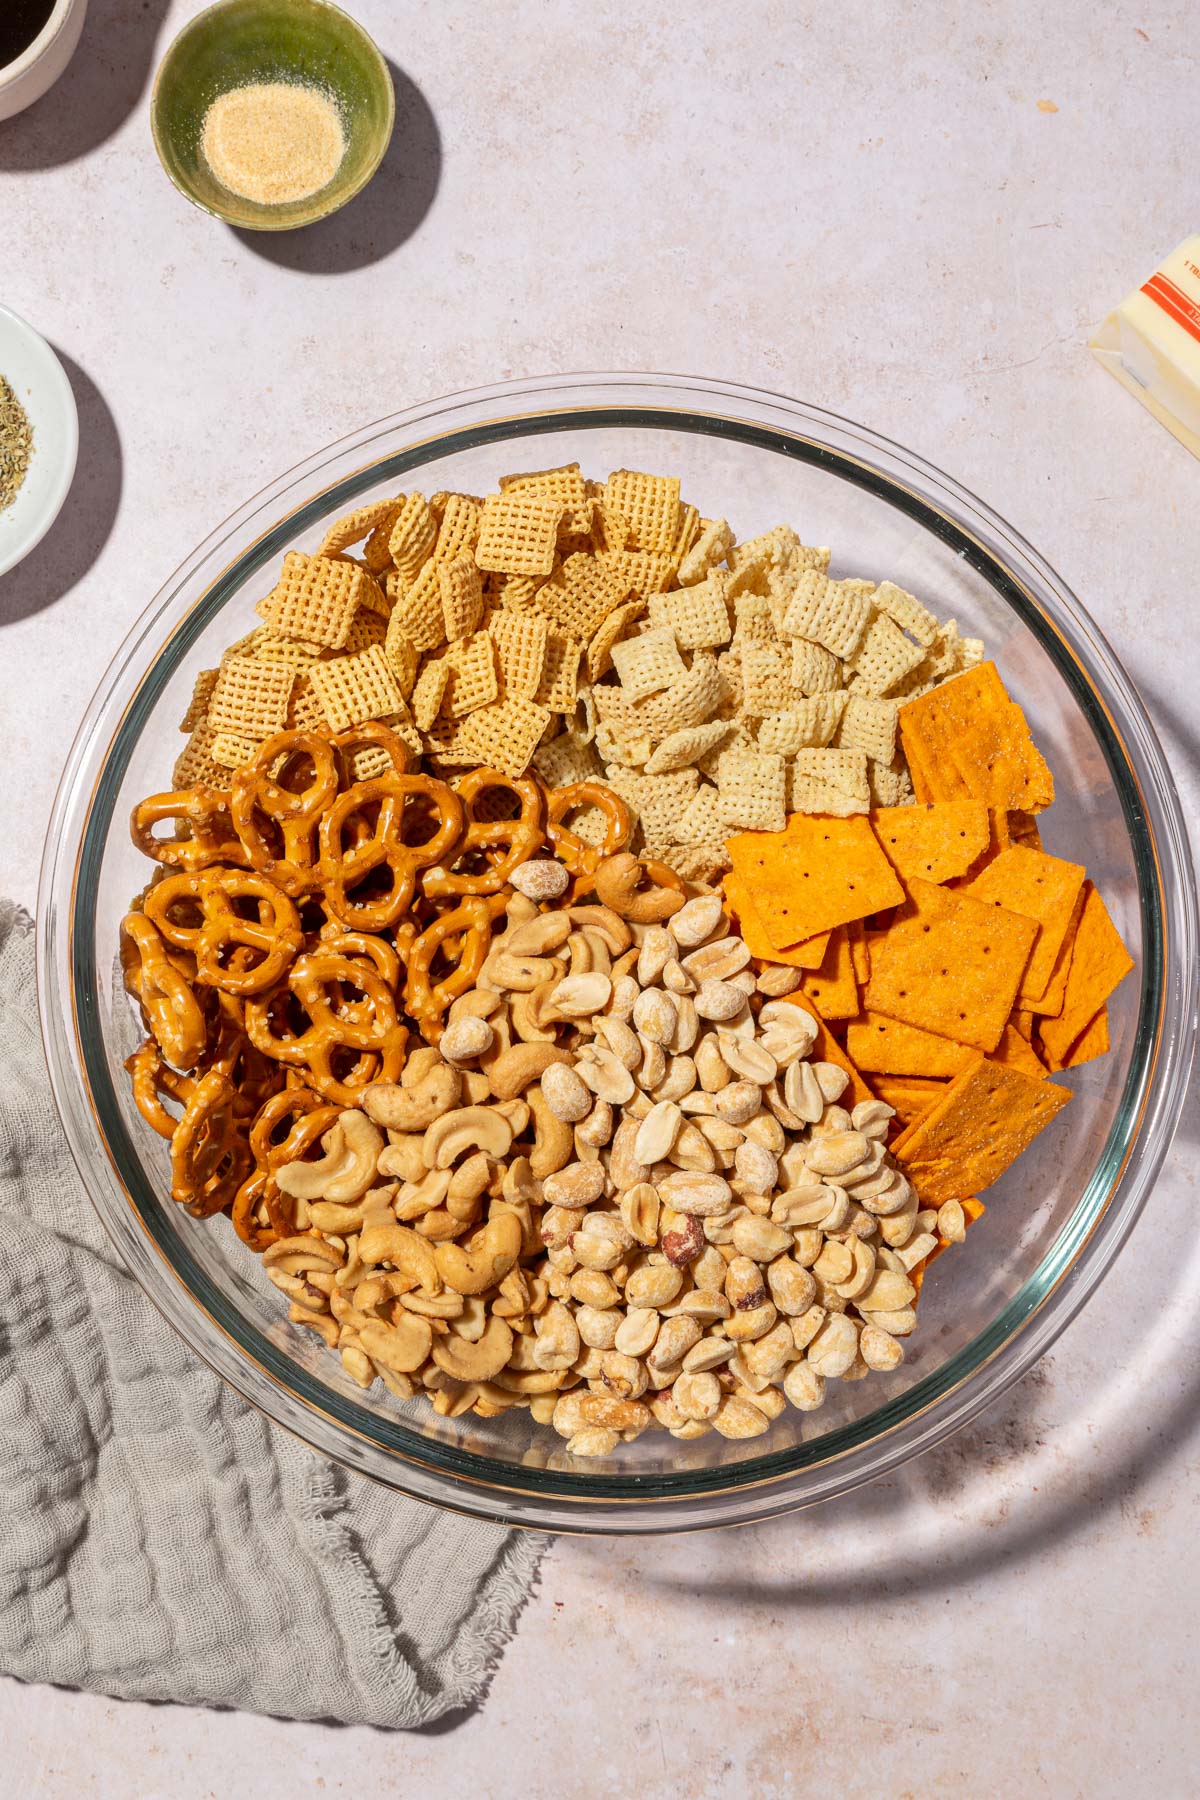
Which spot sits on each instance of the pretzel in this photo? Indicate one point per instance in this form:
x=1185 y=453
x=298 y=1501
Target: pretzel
x=272 y=940
x=371 y=1027
x=386 y=959
x=467 y=929
x=205 y=814
x=172 y=1010
x=581 y=858
x=257 y=792
x=310 y=1117
x=152 y=1077
x=344 y=868
x=501 y=843
x=209 y=1161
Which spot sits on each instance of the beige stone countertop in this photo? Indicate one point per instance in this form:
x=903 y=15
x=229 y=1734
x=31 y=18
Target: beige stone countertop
x=909 y=214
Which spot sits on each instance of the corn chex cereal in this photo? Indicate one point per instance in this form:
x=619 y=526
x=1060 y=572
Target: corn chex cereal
x=835 y=614
x=417 y=612
x=884 y=657
x=950 y=963
x=691 y=699
x=559 y=682
x=685 y=749
x=766 y=678
x=890 y=783
x=829 y=781
x=354 y=526
x=462 y=596
x=869 y=725
x=815 y=874
x=906 y=611
x=196 y=766
x=566 y=485
x=987 y=1116
x=580 y=595
x=647 y=664
x=403 y=659
x=700 y=821
x=521 y=640
x=808 y=723
x=250 y=698
x=565 y=760
x=505 y=734
x=232 y=749
x=413 y=535
x=711 y=547
x=317 y=597
x=751 y=790
x=936 y=842
x=518 y=532
x=459 y=527
x=367 y=628
x=698 y=615
x=197 y=710
x=618 y=624
x=305 y=712
x=814 y=670
x=640 y=571
x=353 y=689
x=473 y=678
x=658 y=801
x=649 y=504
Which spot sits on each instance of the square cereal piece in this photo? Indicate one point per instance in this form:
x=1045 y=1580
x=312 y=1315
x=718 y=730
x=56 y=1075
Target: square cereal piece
x=417 y=612
x=869 y=725
x=618 y=624
x=518 y=533
x=710 y=548
x=250 y=698
x=829 y=781
x=808 y=955
x=890 y=783
x=1099 y=963
x=1044 y=888
x=659 y=802
x=886 y=1047
x=835 y=614
x=701 y=822
x=559 y=685
x=814 y=670
x=521 y=640
x=684 y=749
x=649 y=504
x=698 y=615
x=367 y=629
x=459 y=528
x=473 y=678
x=696 y=862
x=403 y=659
x=648 y=663
x=317 y=597
x=352 y=527
x=692 y=699
x=639 y=571
x=950 y=963
x=884 y=657
x=833 y=988
x=197 y=711
x=305 y=712
x=906 y=611
x=751 y=790
x=461 y=595
x=988 y=1115
x=766 y=678
x=686 y=534
x=610 y=528
x=233 y=750
x=564 y=484
x=506 y=734
x=196 y=766
x=566 y=760
x=818 y=873
x=413 y=535
x=935 y=842
x=580 y=595
x=806 y=724
x=430 y=691
x=353 y=689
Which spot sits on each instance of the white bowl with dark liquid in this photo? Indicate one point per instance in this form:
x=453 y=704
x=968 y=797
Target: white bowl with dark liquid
x=35 y=63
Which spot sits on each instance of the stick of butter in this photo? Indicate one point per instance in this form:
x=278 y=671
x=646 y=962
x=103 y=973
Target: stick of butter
x=1152 y=344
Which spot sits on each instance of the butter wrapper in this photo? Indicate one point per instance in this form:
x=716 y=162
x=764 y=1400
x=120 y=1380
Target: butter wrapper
x=1151 y=343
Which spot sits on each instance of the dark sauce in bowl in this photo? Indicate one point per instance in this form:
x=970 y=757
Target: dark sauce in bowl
x=20 y=22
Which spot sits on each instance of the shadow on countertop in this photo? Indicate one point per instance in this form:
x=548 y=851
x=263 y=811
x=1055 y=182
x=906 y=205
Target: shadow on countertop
x=387 y=212
x=83 y=527
x=101 y=86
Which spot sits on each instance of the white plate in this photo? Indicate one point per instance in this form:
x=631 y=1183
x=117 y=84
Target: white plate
x=40 y=383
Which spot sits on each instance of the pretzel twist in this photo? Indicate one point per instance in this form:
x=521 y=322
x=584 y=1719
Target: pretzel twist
x=209 y=1159
x=371 y=1026
x=344 y=868
x=463 y=936
x=582 y=858
x=151 y=1078
x=257 y=793
x=171 y=1009
x=271 y=942
x=310 y=1117
x=208 y=836
x=502 y=844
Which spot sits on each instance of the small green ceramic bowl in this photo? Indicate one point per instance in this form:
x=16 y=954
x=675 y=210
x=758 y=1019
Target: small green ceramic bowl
x=240 y=42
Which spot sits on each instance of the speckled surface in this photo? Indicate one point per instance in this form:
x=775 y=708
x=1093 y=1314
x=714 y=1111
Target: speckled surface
x=865 y=206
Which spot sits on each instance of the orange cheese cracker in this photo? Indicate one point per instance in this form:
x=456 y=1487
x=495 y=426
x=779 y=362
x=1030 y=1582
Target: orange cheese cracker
x=827 y=1049
x=832 y=988
x=1016 y=1052
x=950 y=964
x=1044 y=888
x=968 y=738
x=1091 y=1042
x=908 y=1095
x=1099 y=962
x=988 y=1115
x=1050 y=1002
x=860 y=951
x=886 y=1047
x=935 y=842
x=808 y=955
x=816 y=873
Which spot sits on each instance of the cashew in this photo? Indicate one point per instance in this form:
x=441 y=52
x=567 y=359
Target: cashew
x=352 y=1149
x=466 y=1128
x=514 y=1070
x=617 y=885
x=470 y=1178
x=401 y=1347
x=402 y=1158
x=554 y=1140
x=414 y=1108
x=419 y=1197
x=545 y=932
x=405 y=1250
x=476 y=1003
x=533 y=1015
x=606 y=923
x=465 y=1359
x=520 y=973
x=485 y=1258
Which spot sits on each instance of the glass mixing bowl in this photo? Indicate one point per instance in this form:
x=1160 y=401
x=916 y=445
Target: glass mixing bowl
x=1053 y=1225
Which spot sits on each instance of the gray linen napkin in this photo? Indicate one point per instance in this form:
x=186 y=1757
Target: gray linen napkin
x=160 y=1539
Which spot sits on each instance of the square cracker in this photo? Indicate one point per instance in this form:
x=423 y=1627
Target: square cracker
x=988 y=1115
x=1051 y=1002
x=1091 y=1042
x=808 y=955
x=966 y=737
x=886 y=1047
x=832 y=988
x=934 y=842
x=817 y=873
x=909 y=1096
x=1099 y=963
x=1043 y=887
x=951 y=964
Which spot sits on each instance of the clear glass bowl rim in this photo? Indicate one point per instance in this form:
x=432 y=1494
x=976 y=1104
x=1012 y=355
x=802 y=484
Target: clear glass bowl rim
x=948 y=1397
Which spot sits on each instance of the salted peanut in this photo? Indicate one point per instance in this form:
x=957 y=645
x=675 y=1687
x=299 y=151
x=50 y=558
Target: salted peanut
x=578 y=1185
x=624 y=1165
x=872 y=1118
x=637 y=1331
x=592 y=1440
x=639 y=1209
x=834 y=1264
x=836 y=1152
x=465 y=1039
x=653 y=1070
x=607 y=1078
x=890 y=1195
x=738 y=1418
x=697 y=1394
x=697 y=920
x=706 y=1305
x=767 y=1131
x=917 y=1249
x=768 y=1356
x=801 y=1206
x=557 y=1338
x=698 y=1102
x=712 y=1071
x=654 y=1016
x=597 y=1128
x=593 y=1251
x=832 y=1079
x=804 y=1387
x=897 y=1228
x=594 y=1287
x=682 y=1241
x=720 y=1133
x=579 y=996
x=679 y=1080
x=597 y=1325
x=718 y=960
x=952 y=1222
x=565 y=1094
x=862 y=1271
x=676 y=979
x=541 y=879
x=835 y=1346
x=718 y=1000
x=675 y=1338
x=622 y=1375
x=758 y=1239
x=865 y=1172
x=792 y=1287
x=738 y=1101
x=617 y=1415
x=709 y=1270
x=806 y=1327
x=620 y=1038
x=624 y=995
x=769 y=1401
x=566 y=1418
x=540 y=935
x=655 y=951
x=748 y=1059
x=687 y=1026
x=654 y=1285
x=753 y=1312
x=802 y=1092
x=776 y=980
x=889 y=1291
x=695 y=1192
x=709 y=1353
x=518 y=974
x=879 y=1349
x=756 y=1170
x=657 y=1132
x=900 y=1322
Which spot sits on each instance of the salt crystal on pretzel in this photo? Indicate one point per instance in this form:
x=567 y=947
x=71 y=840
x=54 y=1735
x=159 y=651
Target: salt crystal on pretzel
x=462 y=596
x=316 y=598
x=650 y=504
x=751 y=790
x=710 y=548
x=520 y=640
x=518 y=532
x=250 y=698
x=353 y=689
x=805 y=724
x=474 y=681
x=506 y=734
x=649 y=663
